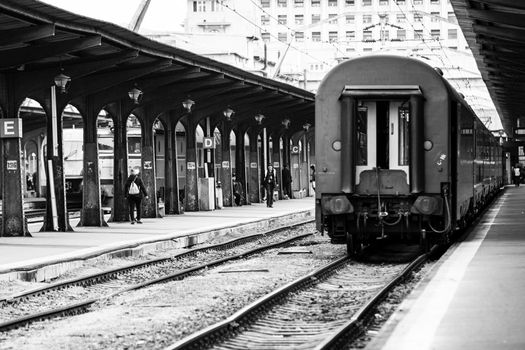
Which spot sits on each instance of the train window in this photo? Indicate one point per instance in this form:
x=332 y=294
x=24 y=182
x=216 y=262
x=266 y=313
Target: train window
x=361 y=128
x=404 y=119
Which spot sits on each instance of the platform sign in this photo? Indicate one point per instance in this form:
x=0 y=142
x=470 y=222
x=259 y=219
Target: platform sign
x=208 y=143
x=147 y=164
x=12 y=165
x=190 y=165
x=225 y=164
x=276 y=165
x=253 y=165
x=295 y=149
x=10 y=128
x=295 y=166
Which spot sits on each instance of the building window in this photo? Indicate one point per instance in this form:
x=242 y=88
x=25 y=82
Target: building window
x=316 y=3
x=350 y=19
x=418 y=34
x=199 y=6
x=299 y=3
x=265 y=3
x=362 y=142
x=435 y=34
x=282 y=19
x=299 y=19
x=452 y=17
x=418 y=17
x=385 y=35
x=282 y=3
x=435 y=16
x=332 y=18
x=367 y=49
x=299 y=36
x=350 y=35
x=332 y=3
x=333 y=36
x=367 y=2
x=400 y=2
x=282 y=37
x=434 y=2
x=367 y=35
x=265 y=20
x=383 y=2
x=401 y=34
x=367 y=18
x=401 y=18
x=349 y=2
x=316 y=36
x=404 y=139
x=452 y=33
x=418 y=2
x=316 y=18
x=265 y=36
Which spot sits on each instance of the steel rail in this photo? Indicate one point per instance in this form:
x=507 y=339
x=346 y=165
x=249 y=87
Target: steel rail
x=80 y=307
x=231 y=325
x=106 y=275
x=358 y=322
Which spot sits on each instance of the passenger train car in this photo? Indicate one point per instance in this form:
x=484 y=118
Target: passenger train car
x=400 y=154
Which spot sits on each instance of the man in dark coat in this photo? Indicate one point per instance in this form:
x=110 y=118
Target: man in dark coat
x=237 y=190
x=287 y=182
x=269 y=183
x=134 y=192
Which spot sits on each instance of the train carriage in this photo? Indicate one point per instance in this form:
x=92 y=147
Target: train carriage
x=399 y=153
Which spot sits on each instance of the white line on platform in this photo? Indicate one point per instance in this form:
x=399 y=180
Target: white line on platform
x=417 y=328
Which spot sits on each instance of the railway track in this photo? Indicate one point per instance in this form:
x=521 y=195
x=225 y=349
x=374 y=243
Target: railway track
x=325 y=309
x=76 y=295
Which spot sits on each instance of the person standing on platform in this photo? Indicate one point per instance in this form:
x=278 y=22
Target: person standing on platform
x=312 y=176
x=237 y=191
x=269 y=184
x=134 y=192
x=517 y=175
x=287 y=182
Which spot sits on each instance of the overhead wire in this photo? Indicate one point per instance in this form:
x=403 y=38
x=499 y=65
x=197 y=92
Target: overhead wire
x=272 y=35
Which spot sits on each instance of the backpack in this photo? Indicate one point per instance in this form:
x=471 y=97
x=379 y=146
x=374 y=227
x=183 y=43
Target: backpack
x=133 y=188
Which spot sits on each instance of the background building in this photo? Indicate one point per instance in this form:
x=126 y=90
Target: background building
x=301 y=40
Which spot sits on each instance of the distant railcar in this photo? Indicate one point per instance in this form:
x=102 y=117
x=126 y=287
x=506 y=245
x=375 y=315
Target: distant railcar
x=399 y=153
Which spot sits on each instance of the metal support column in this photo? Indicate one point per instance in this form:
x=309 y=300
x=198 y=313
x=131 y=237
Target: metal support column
x=91 y=213
x=226 y=168
x=120 y=211
x=149 y=203
x=254 y=180
x=56 y=218
x=191 y=196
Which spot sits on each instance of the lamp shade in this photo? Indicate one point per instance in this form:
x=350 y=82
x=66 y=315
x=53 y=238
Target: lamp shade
x=228 y=112
x=259 y=118
x=61 y=81
x=135 y=94
x=286 y=123
x=306 y=126
x=187 y=104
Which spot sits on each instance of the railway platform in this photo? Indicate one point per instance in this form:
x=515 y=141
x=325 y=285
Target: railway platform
x=473 y=298
x=48 y=254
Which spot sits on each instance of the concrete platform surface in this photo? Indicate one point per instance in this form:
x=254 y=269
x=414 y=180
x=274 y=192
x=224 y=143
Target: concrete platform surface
x=48 y=248
x=475 y=296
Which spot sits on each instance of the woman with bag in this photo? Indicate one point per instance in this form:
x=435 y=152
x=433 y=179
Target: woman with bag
x=134 y=191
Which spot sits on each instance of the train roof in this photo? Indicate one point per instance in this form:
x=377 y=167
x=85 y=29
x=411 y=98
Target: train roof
x=394 y=88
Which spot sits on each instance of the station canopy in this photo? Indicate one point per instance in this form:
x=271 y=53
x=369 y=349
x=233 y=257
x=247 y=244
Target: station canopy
x=495 y=32
x=104 y=61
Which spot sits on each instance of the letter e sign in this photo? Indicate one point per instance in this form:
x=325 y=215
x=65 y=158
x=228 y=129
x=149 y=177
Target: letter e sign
x=10 y=128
